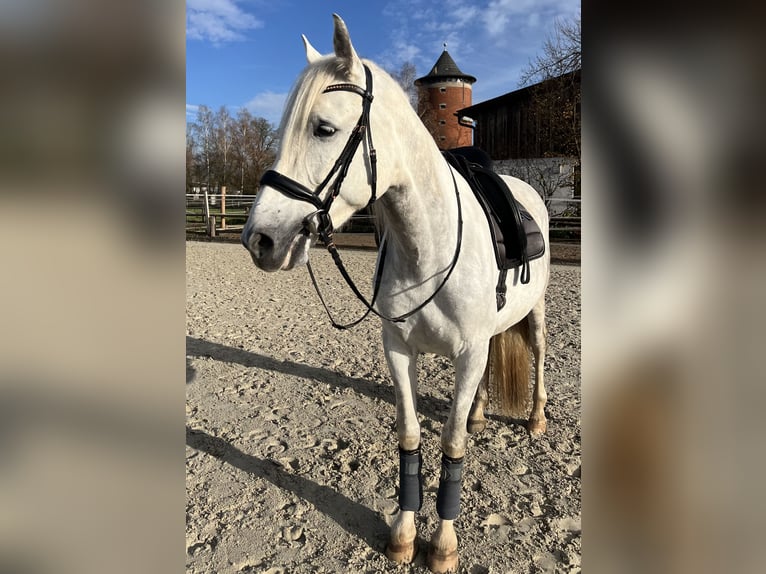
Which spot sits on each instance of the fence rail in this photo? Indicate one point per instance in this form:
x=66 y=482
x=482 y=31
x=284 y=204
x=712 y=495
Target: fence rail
x=214 y=212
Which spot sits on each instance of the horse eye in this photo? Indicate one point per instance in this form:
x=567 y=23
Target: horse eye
x=324 y=131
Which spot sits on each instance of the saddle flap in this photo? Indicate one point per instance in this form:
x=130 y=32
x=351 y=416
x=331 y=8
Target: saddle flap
x=516 y=235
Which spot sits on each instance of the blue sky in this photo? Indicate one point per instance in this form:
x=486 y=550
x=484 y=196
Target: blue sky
x=247 y=53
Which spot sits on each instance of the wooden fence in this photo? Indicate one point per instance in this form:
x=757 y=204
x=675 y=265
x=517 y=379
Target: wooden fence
x=212 y=213
x=215 y=212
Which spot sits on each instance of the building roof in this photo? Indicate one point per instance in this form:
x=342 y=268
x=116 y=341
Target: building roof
x=445 y=68
x=510 y=97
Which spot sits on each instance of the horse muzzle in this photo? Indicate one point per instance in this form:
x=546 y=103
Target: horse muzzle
x=271 y=254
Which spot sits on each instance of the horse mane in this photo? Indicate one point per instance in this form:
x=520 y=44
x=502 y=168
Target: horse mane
x=301 y=100
x=309 y=86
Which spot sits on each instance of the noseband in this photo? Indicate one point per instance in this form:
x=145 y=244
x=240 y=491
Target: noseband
x=297 y=190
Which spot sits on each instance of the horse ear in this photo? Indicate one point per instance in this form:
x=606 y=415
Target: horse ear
x=311 y=53
x=344 y=50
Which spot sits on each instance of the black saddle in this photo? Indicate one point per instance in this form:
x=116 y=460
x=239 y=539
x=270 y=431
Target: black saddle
x=516 y=236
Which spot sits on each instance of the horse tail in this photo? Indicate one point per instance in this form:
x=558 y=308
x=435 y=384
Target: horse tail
x=509 y=370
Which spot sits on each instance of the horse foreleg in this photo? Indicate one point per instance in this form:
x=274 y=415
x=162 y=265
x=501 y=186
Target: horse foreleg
x=537 y=333
x=402 y=363
x=443 y=555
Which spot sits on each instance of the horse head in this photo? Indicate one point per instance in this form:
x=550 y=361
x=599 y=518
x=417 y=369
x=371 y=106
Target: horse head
x=325 y=165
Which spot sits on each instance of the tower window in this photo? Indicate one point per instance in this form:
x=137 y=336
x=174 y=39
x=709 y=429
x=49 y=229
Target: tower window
x=443 y=90
x=442 y=122
x=442 y=106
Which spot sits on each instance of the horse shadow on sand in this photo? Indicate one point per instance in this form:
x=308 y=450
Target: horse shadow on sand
x=354 y=518
x=428 y=406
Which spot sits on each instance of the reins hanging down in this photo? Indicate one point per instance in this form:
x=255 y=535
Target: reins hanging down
x=327 y=239
x=324 y=227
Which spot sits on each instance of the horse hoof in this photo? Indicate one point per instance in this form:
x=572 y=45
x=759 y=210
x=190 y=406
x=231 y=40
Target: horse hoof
x=477 y=425
x=537 y=427
x=402 y=553
x=439 y=563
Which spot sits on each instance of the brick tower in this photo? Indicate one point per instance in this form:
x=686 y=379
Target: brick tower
x=441 y=93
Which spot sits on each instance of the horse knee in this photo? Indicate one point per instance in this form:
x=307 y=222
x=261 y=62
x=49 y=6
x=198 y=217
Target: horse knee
x=409 y=442
x=453 y=442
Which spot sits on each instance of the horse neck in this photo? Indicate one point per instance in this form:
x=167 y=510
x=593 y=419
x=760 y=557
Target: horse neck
x=419 y=209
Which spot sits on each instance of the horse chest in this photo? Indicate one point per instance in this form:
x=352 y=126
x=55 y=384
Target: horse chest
x=428 y=336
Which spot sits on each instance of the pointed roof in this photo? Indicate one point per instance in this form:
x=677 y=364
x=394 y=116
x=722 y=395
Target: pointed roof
x=445 y=68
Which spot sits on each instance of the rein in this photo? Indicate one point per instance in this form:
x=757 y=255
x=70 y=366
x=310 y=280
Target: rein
x=324 y=227
x=330 y=245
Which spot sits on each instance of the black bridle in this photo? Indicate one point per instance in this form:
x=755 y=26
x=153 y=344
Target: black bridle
x=324 y=227
x=296 y=190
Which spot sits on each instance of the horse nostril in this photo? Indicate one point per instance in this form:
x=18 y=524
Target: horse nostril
x=258 y=244
x=263 y=241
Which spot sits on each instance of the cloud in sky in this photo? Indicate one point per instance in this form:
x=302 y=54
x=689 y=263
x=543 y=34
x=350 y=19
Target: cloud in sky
x=419 y=29
x=427 y=25
x=509 y=16
x=218 y=21
x=403 y=51
x=490 y=39
x=467 y=28
x=267 y=105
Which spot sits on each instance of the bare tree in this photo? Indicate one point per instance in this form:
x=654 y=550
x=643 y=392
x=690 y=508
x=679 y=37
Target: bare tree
x=427 y=114
x=203 y=132
x=223 y=143
x=556 y=93
x=190 y=163
x=562 y=54
x=262 y=147
x=405 y=77
x=241 y=133
x=254 y=144
x=545 y=177
x=231 y=151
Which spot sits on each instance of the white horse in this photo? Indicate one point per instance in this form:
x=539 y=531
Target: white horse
x=439 y=261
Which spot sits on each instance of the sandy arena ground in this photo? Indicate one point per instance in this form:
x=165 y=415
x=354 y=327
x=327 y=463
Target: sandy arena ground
x=291 y=457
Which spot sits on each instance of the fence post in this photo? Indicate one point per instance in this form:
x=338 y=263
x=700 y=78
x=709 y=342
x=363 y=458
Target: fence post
x=211 y=225
x=206 y=207
x=223 y=207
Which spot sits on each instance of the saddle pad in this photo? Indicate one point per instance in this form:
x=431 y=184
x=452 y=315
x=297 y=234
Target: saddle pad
x=515 y=234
